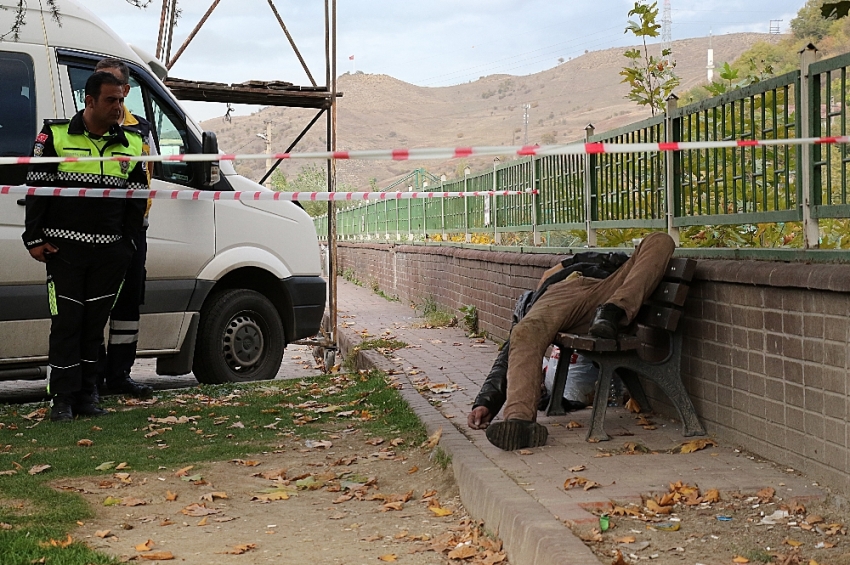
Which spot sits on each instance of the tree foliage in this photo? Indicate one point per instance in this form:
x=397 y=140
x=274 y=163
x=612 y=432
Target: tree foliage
x=809 y=23
x=20 y=16
x=310 y=178
x=651 y=79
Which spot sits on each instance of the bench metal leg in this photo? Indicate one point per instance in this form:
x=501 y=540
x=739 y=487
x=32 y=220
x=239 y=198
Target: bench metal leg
x=667 y=375
x=630 y=379
x=555 y=407
x=600 y=403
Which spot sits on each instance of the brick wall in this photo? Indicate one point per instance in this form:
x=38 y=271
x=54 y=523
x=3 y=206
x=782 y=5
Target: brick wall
x=765 y=349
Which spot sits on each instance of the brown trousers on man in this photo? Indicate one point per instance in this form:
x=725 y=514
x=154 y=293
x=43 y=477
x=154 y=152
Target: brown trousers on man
x=568 y=306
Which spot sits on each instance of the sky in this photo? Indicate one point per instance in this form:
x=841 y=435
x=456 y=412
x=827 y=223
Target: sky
x=432 y=44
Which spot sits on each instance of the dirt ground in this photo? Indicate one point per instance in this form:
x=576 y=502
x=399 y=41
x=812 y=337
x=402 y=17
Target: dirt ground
x=353 y=500
x=738 y=528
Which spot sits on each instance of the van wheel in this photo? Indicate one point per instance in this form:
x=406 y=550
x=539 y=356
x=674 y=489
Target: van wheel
x=240 y=338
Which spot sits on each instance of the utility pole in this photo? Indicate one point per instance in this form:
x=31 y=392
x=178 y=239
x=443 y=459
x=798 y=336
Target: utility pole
x=667 y=31
x=525 y=109
x=267 y=137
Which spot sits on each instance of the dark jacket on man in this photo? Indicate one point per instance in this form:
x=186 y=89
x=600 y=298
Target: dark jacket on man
x=86 y=220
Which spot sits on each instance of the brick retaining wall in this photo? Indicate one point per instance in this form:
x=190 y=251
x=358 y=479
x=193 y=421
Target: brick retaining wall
x=765 y=350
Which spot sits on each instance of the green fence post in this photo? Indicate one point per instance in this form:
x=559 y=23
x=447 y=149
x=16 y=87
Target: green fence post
x=809 y=114
x=468 y=236
x=443 y=209
x=670 y=168
x=589 y=175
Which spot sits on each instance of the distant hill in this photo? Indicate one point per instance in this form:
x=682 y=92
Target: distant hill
x=379 y=111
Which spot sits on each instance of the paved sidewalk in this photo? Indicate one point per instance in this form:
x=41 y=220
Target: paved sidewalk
x=520 y=494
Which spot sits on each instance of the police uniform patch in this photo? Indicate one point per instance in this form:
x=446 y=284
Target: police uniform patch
x=38 y=150
x=125 y=166
x=42 y=137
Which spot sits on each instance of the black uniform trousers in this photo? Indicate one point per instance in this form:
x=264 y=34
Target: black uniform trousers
x=124 y=319
x=83 y=281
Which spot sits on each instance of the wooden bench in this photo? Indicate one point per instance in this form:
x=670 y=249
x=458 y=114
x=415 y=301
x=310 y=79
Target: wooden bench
x=652 y=348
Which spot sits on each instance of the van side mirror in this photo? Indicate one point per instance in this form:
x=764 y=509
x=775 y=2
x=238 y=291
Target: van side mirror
x=211 y=172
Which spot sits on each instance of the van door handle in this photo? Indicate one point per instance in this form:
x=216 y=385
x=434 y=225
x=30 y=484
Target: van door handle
x=22 y=201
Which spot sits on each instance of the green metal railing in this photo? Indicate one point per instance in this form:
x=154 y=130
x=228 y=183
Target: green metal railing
x=656 y=190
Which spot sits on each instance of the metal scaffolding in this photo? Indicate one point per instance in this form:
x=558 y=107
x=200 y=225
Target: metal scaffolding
x=273 y=93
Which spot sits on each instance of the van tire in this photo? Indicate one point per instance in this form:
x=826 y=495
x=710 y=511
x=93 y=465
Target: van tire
x=243 y=318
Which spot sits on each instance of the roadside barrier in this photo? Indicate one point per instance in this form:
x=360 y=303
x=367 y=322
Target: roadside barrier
x=449 y=153
x=247 y=195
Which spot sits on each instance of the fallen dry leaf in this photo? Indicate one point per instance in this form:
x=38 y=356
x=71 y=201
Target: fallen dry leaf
x=412 y=470
x=240 y=549
x=740 y=559
x=147 y=546
x=792 y=543
x=766 y=494
x=440 y=511
x=197 y=510
x=85 y=443
x=130 y=501
x=211 y=496
x=375 y=441
x=618 y=558
x=429 y=493
x=388 y=557
x=203 y=521
x=696 y=445
x=392 y=506
x=633 y=406
x=657 y=508
x=577 y=469
x=184 y=471
x=712 y=495
x=102 y=533
x=170 y=496
x=433 y=439
x=272 y=496
x=463 y=552
x=625 y=539
x=157 y=556
x=586 y=484
x=572 y=425
x=58 y=543
x=36 y=469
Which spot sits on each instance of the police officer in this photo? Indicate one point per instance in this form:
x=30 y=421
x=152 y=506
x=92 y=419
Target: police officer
x=117 y=360
x=86 y=243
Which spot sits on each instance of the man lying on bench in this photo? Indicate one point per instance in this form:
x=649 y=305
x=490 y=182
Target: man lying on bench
x=583 y=302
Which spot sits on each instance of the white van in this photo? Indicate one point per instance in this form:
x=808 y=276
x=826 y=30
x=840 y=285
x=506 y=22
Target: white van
x=229 y=284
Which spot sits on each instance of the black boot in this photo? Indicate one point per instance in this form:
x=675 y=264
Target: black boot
x=606 y=321
x=60 y=408
x=128 y=386
x=89 y=410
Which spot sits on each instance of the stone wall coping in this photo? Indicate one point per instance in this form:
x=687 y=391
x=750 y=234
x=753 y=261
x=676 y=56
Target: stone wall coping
x=813 y=276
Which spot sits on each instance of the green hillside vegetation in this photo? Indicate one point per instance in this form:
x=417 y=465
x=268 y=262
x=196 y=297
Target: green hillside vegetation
x=771 y=58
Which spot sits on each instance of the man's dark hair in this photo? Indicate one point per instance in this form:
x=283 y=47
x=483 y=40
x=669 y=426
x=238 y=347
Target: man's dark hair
x=97 y=80
x=111 y=63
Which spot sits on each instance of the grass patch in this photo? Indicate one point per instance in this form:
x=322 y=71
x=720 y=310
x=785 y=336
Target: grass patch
x=207 y=423
x=376 y=288
x=758 y=556
x=349 y=275
x=435 y=316
x=442 y=459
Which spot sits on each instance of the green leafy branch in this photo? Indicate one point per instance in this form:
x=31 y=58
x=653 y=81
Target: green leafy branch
x=651 y=79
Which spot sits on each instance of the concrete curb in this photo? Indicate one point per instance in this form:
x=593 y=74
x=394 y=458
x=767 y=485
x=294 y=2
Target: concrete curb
x=531 y=534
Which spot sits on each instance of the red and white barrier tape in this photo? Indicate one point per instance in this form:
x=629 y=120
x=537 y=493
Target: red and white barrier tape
x=246 y=195
x=453 y=153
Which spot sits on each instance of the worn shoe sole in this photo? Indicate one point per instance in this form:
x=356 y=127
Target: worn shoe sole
x=511 y=435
